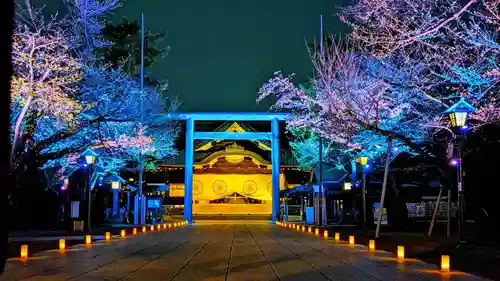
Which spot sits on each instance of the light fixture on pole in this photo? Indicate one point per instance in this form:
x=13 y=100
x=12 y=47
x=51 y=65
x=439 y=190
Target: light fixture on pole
x=364 y=161
x=459 y=115
x=90 y=158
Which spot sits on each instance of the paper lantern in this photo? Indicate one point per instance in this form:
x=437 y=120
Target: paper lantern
x=164 y=226
x=169 y=225
x=107 y=236
x=337 y=236
x=325 y=233
x=309 y=229
x=88 y=239
x=351 y=240
x=144 y=229
x=62 y=245
x=445 y=263
x=316 y=232
x=158 y=226
x=303 y=228
x=134 y=231
x=122 y=233
x=401 y=252
x=371 y=245
x=152 y=227
x=24 y=252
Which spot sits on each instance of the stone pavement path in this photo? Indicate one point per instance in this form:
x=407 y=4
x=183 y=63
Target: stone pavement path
x=240 y=252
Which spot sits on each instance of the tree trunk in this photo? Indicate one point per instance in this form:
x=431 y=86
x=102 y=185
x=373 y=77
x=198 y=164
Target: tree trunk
x=384 y=186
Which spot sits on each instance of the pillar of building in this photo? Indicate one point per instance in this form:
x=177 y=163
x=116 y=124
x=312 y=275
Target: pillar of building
x=115 y=203
x=188 y=171
x=275 y=159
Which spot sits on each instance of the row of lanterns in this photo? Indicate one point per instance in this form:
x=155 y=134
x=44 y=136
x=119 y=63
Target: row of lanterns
x=445 y=259
x=107 y=236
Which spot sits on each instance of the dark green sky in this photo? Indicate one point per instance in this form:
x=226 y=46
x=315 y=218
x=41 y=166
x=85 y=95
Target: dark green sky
x=222 y=50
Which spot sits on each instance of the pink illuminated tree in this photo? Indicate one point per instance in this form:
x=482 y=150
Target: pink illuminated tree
x=451 y=47
x=45 y=75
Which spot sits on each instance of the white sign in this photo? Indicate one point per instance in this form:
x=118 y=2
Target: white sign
x=75 y=209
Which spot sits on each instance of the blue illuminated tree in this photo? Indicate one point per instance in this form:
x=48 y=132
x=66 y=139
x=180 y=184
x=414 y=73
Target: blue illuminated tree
x=104 y=111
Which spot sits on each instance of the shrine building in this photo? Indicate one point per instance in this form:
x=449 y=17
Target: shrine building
x=232 y=177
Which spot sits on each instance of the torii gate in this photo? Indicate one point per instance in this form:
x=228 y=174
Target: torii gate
x=191 y=135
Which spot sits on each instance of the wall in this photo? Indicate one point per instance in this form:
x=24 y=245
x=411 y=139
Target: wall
x=205 y=184
x=232 y=209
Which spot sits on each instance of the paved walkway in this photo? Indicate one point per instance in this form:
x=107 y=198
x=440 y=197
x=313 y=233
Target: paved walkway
x=222 y=252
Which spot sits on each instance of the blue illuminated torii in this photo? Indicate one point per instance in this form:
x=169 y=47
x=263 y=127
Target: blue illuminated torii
x=191 y=135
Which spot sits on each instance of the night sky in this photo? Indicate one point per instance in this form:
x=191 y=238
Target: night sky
x=222 y=50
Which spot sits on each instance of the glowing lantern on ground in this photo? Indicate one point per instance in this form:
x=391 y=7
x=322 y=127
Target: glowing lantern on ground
x=158 y=227
x=88 y=239
x=298 y=227
x=143 y=228
x=401 y=252
x=152 y=227
x=445 y=263
x=325 y=233
x=107 y=236
x=169 y=225
x=164 y=226
x=371 y=245
x=309 y=229
x=62 y=245
x=351 y=240
x=316 y=232
x=24 y=252
x=337 y=236
x=175 y=224
x=134 y=231
x=122 y=233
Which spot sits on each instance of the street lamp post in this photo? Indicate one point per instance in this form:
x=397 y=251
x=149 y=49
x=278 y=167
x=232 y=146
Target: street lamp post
x=116 y=183
x=90 y=157
x=363 y=161
x=459 y=114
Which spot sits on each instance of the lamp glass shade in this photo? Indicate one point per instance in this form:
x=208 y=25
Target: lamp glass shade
x=458 y=118
x=115 y=185
x=363 y=160
x=90 y=159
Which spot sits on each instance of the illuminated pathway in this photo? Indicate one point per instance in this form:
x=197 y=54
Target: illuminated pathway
x=222 y=252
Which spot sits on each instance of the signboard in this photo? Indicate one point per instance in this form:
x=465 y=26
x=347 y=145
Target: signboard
x=425 y=209
x=75 y=209
x=376 y=212
x=176 y=190
x=154 y=203
x=310 y=214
